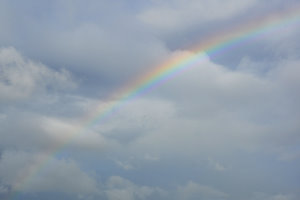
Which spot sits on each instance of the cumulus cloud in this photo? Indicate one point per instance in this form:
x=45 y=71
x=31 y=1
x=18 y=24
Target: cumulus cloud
x=223 y=95
x=21 y=77
x=193 y=191
x=87 y=45
x=216 y=165
x=260 y=195
x=38 y=173
x=215 y=112
x=217 y=130
x=96 y=47
x=178 y=15
x=119 y=188
x=235 y=99
x=135 y=119
x=28 y=131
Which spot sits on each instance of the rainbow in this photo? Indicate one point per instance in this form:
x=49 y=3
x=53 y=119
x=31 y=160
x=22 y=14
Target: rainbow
x=211 y=46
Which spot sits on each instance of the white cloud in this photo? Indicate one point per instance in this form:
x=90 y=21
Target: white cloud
x=3 y=190
x=261 y=196
x=134 y=118
x=125 y=165
x=281 y=197
x=21 y=77
x=35 y=173
x=193 y=191
x=179 y=15
x=211 y=109
x=44 y=133
x=216 y=165
x=38 y=173
x=119 y=188
x=234 y=116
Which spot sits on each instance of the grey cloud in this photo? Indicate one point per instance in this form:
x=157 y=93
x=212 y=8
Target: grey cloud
x=230 y=128
x=211 y=94
x=239 y=110
x=26 y=172
x=120 y=188
x=135 y=119
x=193 y=191
x=92 y=46
x=28 y=131
x=216 y=165
x=21 y=77
x=183 y=24
x=178 y=15
x=88 y=40
x=260 y=195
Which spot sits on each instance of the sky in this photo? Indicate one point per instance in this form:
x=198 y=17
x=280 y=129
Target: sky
x=224 y=127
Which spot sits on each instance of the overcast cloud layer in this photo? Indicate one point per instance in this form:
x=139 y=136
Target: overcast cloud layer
x=225 y=129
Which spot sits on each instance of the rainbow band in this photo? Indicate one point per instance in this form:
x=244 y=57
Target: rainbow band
x=212 y=46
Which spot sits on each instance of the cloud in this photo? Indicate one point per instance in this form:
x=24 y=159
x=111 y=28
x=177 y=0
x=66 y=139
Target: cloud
x=44 y=133
x=96 y=48
x=203 y=96
x=259 y=196
x=213 y=111
x=193 y=191
x=119 y=188
x=178 y=15
x=218 y=130
x=37 y=173
x=135 y=119
x=124 y=165
x=85 y=44
x=21 y=77
x=216 y=165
